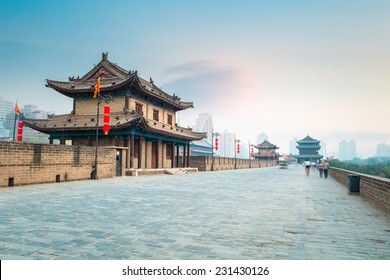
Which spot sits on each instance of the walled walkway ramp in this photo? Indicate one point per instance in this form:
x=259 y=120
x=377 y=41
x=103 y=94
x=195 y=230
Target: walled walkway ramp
x=266 y=213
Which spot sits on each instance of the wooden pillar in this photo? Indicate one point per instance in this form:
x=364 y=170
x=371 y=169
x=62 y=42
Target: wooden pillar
x=127 y=144
x=158 y=153
x=131 y=150
x=146 y=153
x=177 y=155
x=188 y=155
x=51 y=140
x=140 y=152
x=184 y=156
x=173 y=155
x=62 y=140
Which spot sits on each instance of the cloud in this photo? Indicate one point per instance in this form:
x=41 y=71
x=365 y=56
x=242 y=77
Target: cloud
x=209 y=83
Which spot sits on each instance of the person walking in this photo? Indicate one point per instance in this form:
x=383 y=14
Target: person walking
x=326 y=169
x=321 y=168
x=306 y=164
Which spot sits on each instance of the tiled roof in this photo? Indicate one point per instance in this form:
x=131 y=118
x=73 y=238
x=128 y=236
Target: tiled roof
x=88 y=86
x=71 y=122
x=153 y=90
x=113 y=77
x=171 y=130
x=266 y=145
x=308 y=138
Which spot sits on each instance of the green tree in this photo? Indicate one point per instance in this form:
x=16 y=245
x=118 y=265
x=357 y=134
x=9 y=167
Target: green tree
x=372 y=167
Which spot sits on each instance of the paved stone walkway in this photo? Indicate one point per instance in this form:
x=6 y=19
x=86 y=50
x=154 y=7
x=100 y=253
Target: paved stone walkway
x=266 y=213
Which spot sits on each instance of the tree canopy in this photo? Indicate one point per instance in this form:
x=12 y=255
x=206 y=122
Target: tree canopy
x=372 y=166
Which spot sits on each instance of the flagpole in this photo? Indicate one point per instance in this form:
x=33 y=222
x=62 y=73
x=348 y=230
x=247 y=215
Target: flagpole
x=97 y=138
x=249 y=145
x=13 y=138
x=100 y=98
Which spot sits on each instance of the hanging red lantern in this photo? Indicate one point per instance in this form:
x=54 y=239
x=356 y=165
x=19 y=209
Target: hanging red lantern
x=216 y=144
x=106 y=128
x=106 y=120
x=106 y=109
x=20 y=131
x=238 y=148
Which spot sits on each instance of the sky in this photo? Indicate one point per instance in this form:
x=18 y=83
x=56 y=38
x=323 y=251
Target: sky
x=286 y=68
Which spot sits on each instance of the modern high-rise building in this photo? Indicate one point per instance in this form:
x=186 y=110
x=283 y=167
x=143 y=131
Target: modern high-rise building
x=323 y=150
x=6 y=107
x=293 y=146
x=383 y=150
x=261 y=138
x=4 y=133
x=29 y=135
x=347 y=150
x=204 y=123
x=227 y=144
x=244 y=150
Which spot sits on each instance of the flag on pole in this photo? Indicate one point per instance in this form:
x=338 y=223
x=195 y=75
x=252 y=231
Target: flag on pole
x=97 y=88
x=17 y=109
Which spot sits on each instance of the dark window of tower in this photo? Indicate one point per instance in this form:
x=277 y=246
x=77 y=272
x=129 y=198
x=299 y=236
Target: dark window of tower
x=155 y=115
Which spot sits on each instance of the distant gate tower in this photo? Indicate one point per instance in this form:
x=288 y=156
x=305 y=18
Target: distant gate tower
x=308 y=149
x=267 y=150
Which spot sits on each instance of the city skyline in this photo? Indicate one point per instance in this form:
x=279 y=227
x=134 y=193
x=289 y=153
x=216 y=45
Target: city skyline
x=286 y=68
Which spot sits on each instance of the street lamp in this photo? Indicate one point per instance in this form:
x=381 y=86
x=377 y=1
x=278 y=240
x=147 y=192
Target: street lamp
x=216 y=134
x=107 y=98
x=250 y=153
x=236 y=141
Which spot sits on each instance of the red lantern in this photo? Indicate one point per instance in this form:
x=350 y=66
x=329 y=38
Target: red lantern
x=106 y=119
x=106 y=128
x=261 y=153
x=216 y=144
x=20 y=131
x=106 y=109
x=252 y=152
x=238 y=148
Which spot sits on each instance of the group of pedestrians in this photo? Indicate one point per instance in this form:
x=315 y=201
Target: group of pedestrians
x=323 y=167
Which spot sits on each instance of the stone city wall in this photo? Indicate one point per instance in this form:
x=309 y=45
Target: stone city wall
x=373 y=188
x=24 y=164
x=204 y=163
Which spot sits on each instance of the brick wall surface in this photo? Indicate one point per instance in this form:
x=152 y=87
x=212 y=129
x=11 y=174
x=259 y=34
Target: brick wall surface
x=203 y=163
x=36 y=163
x=372 y=188
x=88 y=106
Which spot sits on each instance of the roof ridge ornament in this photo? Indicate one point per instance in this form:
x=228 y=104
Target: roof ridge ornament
x=105 y=56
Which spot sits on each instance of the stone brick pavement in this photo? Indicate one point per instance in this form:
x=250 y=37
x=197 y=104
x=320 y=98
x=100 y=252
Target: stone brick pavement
x=266 y=213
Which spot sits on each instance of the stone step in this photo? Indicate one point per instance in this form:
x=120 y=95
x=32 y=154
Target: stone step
x=168 y=171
